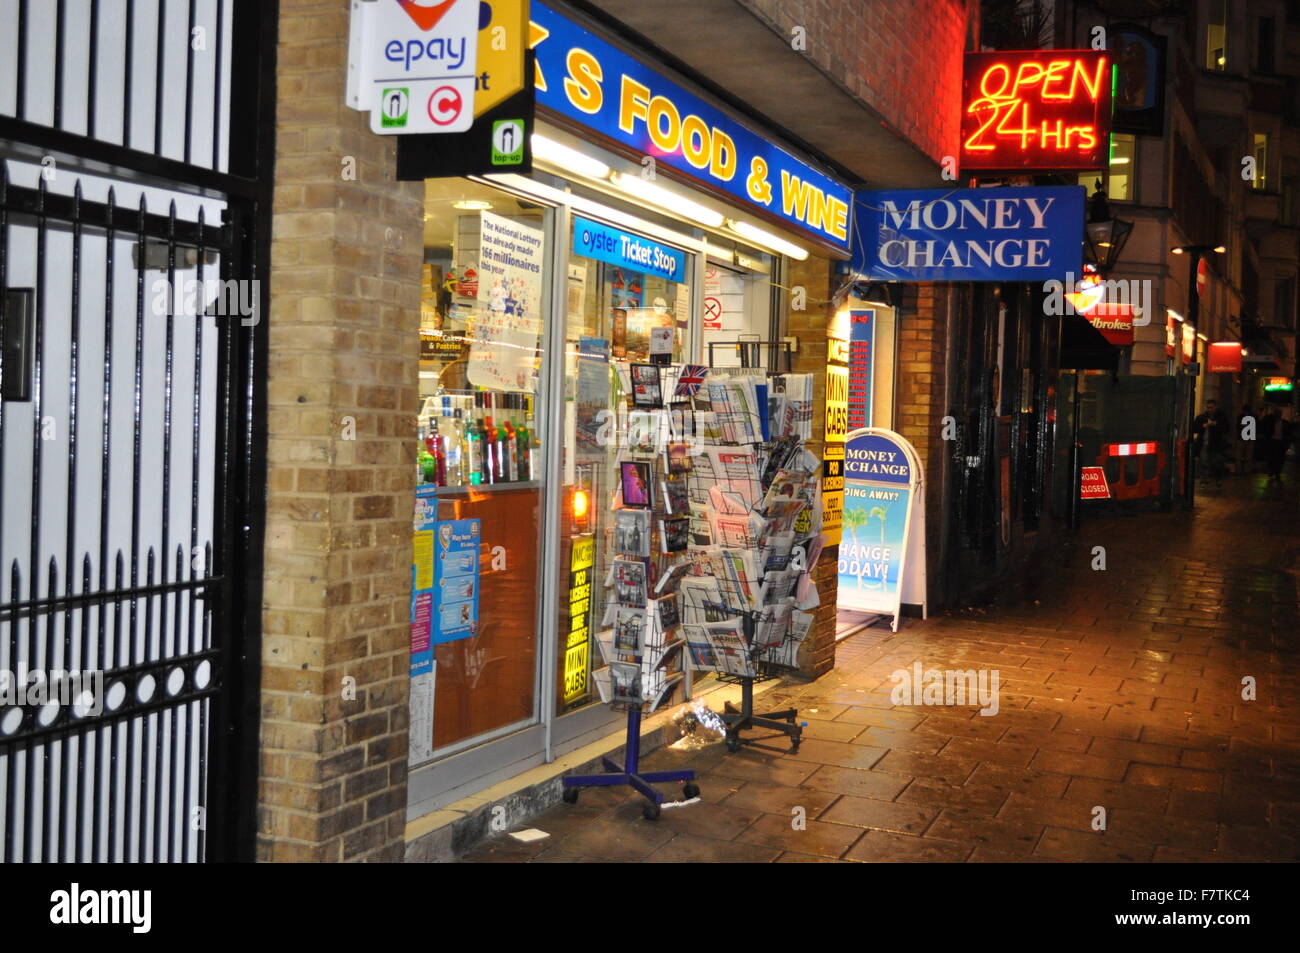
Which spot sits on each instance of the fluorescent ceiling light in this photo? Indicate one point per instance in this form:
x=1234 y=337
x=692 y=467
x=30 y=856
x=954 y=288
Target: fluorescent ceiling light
x=725 y=255
x=472 y=205
x=1119 y=160
x=570 y=160
x=638 y=187
x=765 y=238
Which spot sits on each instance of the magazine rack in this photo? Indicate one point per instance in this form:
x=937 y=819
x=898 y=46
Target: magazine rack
x=629 y=773
x=645 y=541
x=744 y=717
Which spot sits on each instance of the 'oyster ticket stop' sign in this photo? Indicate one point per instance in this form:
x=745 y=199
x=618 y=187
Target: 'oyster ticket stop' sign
x=411 y=64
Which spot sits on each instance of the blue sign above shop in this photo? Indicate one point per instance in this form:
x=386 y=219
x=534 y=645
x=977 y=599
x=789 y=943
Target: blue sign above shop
x=992 y=234
x=592 y=82
x=617 y=247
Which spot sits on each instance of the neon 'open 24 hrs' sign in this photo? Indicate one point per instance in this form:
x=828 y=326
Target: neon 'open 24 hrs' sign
x=1039 y=109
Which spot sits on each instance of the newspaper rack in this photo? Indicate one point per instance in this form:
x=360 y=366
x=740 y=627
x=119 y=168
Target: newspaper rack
x=745 y=718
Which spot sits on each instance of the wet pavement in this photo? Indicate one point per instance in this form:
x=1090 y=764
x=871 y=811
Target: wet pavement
x=1122 y=733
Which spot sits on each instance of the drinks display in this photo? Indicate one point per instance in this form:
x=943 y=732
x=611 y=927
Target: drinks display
x=477 y=438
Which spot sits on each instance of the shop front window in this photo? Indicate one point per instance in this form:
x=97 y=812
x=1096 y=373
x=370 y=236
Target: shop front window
x=617 y=316
x=480 y=466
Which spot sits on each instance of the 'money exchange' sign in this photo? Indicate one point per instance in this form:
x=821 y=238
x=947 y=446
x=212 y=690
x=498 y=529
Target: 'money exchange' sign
x=993 y=234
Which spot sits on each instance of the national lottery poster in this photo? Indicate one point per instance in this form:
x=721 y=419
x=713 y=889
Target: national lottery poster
x=456 y=580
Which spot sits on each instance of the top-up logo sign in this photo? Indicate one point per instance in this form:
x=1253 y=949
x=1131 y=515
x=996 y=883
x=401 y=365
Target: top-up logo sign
x=425 y=15
x=411 y=63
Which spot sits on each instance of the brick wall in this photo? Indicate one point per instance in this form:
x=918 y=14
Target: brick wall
x=817 y=655
x=344 y=355
x=901 y=57
x=920 y=406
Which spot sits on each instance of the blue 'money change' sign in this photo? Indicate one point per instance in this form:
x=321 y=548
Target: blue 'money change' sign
x=994 y=234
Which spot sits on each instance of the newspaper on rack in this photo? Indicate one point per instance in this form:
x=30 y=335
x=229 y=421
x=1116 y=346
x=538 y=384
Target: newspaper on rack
x=736 y=530
x=737 y=576
x=797 y=389
x=735 y=470
x=776 y=550
x=772 y=625
x=735 y=401
x=780 y=584
x=702 y=601
x=730 y=648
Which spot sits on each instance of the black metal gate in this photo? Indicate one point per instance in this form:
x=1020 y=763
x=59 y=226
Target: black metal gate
x=135 y=186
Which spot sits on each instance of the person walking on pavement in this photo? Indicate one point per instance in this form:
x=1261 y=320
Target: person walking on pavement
x=1278 y=434
x=1210 y=434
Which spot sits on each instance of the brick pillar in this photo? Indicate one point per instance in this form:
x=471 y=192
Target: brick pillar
x=817 y=654
x=343 y=394
x=920 y=408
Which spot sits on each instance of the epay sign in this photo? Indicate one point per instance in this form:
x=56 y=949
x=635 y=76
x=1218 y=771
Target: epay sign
x=595 y=84
x=411 y=63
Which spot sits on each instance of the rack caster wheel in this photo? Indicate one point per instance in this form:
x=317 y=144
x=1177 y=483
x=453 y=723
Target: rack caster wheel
x=690 y=790
x=571 y=795
x=794 y=743
x=650 y=811
x=733 y=742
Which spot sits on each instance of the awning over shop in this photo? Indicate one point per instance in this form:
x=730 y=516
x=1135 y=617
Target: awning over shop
x=1084 y=348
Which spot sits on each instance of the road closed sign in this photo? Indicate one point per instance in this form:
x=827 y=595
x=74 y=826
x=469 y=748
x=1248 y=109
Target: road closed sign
x=1093 y=485
x=411 y=64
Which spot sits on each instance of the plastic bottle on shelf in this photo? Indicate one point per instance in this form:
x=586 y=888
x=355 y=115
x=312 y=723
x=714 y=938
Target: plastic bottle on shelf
x=510 y=440
x=474 y=446
x=523 y=437
x=456 y=450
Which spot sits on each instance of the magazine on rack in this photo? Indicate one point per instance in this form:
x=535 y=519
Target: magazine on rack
x=668 y=657
x=647 y=389
x=603 y=683
x=678 y=455
x=634 y=484
x=629 y=631
x=629 y=577
x=671 y=577
x=674 y=535
x=646 y=433
x=674 y=494
x=664 y=619
x=632 y=532
x=625 y=682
